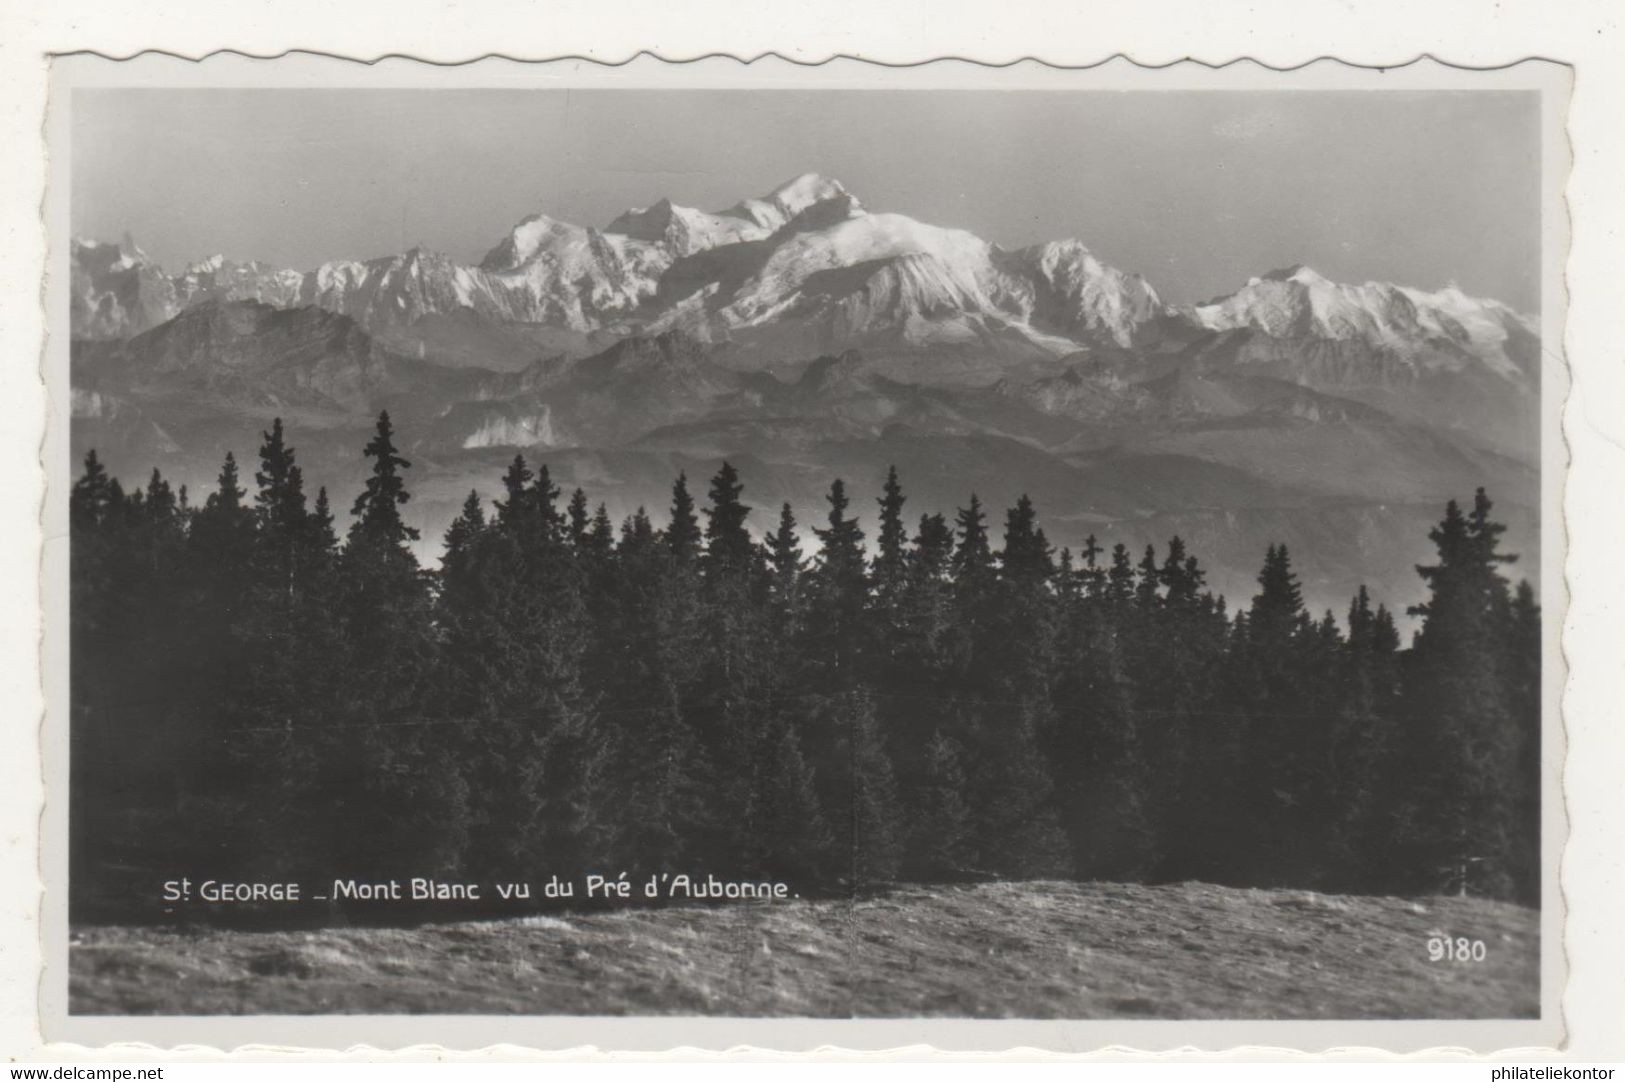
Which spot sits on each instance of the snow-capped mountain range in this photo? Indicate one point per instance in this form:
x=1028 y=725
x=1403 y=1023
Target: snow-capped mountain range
x=803 y=268
x=1453 y=328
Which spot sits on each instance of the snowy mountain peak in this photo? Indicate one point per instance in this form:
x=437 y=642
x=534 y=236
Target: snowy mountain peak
x=680 y=230
x=649 y=223
x=799 y=193
x=827 y=213
x=1446 y=329
x=788 y=201
x=531 y=236
x=1081 y=294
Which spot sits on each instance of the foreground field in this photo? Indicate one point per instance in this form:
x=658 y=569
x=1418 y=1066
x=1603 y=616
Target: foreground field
x=1027 y=950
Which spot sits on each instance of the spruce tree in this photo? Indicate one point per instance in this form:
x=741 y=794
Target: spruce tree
x=550 y=521
x=223 y=540
x=738 y=675
x=1181 y=577
x=210 y=636
x=1277 y=610
x=466 y=528
x=580 y=521
x=973 y=559
x=377 y=510
x=1464 y=739
x=919 y=643
x=728 y=546
x=1366 y=753
x=838 y=593
x=1068 y=583
x=295 y=670
x=1274 y=676
x=1027 y=554
x=786 y=565
x=683 y=532
x=1120 y=578
x=932 y=555
x=322 y=540
x=224 y=528
x=1094 y=575
x=462 y=541
x=283 y=529
x=891 y=558
x=147 y=783
x=92 y=495
x=650 y=680
x=1105 y=784
x=407 y=798
x=513 y=512
x=280 y=502
x=1522 y=671
x=601 y=534
x=1013 y=629
x=161 y=507
x=1145 y=591
x=840 y=554
x=975 y=579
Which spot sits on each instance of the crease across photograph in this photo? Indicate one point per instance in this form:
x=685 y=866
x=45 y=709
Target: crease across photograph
x=718 y=553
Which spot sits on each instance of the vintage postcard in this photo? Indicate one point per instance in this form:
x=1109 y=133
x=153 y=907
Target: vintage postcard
x=720 y=554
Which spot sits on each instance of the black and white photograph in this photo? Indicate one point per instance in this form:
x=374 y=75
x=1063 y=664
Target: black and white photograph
x=809 y=552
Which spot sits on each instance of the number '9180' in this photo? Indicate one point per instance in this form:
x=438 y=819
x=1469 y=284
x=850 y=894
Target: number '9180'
x=1460 y=949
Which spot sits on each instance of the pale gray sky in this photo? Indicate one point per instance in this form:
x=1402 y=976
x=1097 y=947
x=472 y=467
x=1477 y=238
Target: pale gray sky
x=1196 y=190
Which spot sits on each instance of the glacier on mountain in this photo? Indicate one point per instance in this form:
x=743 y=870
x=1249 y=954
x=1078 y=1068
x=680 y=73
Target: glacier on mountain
x=1446 y=329
x=808 y=267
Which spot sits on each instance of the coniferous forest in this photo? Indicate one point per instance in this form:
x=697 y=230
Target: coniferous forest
x=264 y=686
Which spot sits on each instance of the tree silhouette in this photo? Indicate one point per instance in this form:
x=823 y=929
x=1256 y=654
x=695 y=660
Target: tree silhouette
x=559 y=693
